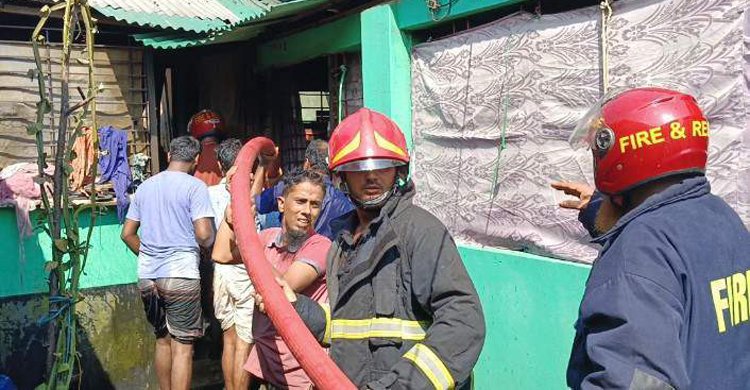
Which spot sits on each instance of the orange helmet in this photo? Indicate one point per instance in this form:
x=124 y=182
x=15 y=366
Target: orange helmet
x=644 y=134
x=365 y=141
x=205 y=123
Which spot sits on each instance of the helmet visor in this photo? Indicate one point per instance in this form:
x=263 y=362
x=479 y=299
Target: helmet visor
x=589 y=125
x=370 y=164
x=587 y=131
x=586 y=128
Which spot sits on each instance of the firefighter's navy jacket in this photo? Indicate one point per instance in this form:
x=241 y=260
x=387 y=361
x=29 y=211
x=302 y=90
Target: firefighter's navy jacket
x=666 y=305
x=403 y=312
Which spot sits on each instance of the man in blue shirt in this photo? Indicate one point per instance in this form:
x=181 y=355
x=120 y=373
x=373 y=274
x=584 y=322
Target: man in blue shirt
x=169 y=220
x=335 y=203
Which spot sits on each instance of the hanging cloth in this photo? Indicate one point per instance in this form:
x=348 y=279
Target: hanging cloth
x=84 y=151
x=19 y=188
x=113 y=165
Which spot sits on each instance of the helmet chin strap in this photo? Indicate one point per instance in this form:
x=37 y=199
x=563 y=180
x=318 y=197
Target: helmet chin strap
x=380 y=201
x=372 y=204
x=376 y=203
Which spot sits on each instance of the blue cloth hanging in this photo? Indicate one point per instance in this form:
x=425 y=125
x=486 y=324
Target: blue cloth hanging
x=114 y=167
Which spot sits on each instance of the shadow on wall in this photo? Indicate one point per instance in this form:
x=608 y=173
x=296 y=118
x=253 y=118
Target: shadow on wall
x=116 y=340
x=108 y=336
x=25 y=342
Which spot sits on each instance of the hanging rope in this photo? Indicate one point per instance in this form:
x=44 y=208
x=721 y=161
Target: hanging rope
x=343 y=69
x=606 y=8
x=502 y=145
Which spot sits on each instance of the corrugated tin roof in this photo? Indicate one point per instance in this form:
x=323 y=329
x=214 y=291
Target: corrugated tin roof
x=250 y=29
x=198 y=16
x=161 y=40
x=200 y=9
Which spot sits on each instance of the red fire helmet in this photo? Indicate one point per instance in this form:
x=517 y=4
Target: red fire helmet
x=366 y=140
x=205 y=123
x=643 y=134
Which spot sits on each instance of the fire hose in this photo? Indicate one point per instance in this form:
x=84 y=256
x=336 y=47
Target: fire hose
x=317 y=364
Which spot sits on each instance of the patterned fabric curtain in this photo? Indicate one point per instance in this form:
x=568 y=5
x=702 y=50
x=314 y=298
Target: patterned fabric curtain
x=494 y=106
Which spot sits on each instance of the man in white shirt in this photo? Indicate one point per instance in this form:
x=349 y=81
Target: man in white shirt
x=233 y=300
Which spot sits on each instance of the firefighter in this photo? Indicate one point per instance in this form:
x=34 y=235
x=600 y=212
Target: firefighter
x=666 y=304
x=208 y=127
x=403 y=312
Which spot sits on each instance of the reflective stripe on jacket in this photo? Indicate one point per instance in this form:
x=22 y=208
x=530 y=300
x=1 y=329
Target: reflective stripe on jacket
x=404 y=313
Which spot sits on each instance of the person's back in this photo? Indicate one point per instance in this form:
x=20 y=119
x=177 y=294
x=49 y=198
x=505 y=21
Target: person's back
x=712 y=269
x=207 y=169
x=207 y=126
x=695 y=249
x=166 y=208
x=170 y=217
x=715 y=248
x=335 y=205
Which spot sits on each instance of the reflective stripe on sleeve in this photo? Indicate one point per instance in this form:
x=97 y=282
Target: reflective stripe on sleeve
x=431 y=366
x=378 y=327
x=327 y=334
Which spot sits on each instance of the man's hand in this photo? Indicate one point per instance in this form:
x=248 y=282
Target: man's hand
x=291 y=296
x=230 y=175
x=582 y=191
x=229 y=216
x=266 y=159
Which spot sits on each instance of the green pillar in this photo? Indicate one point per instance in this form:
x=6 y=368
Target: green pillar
x=386 y=67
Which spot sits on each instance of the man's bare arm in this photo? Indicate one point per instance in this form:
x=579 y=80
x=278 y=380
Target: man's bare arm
x=129 y=235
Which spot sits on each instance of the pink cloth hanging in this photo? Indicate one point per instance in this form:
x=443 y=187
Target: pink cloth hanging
x=18 y=189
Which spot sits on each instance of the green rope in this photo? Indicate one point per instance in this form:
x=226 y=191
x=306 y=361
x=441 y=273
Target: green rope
x=501 y=145
x=341 y=92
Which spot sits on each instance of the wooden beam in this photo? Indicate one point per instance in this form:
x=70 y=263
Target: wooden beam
x=153 y=120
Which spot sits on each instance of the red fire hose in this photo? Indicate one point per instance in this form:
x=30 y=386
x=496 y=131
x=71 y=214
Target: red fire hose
x=316 y=363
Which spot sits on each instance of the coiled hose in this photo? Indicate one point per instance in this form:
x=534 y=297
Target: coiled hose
x=319 y=367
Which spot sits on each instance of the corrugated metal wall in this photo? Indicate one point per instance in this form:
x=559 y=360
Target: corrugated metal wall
x=121 y=104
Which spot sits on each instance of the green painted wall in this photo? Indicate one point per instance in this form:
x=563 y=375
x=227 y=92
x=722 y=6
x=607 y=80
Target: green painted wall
x=22 y=263
x=530 y=306
x=414 y=14
x=116 y=341
x=386 y=67
x=342 y=35
x=530 y=302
